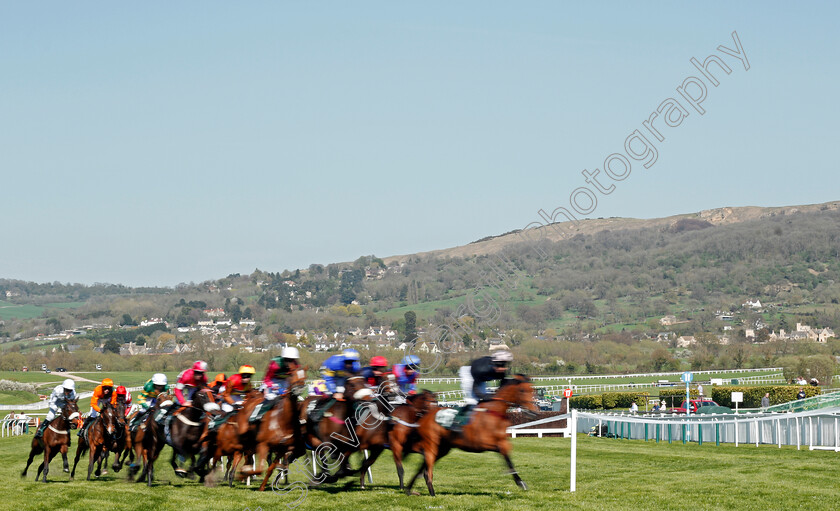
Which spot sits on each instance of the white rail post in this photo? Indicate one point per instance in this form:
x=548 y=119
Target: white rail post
x=756 y=432
x=369 y=471
x=810 y=433
x=778 y=433
x=736 y=430
x=798 y=434
x=573 y=472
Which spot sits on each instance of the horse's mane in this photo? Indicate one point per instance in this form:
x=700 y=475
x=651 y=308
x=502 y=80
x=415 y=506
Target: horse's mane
x=514 y=380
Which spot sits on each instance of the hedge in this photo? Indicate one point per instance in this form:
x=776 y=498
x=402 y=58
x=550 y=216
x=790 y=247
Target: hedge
x=591 y=402
x=608 y=400
x=752 y=395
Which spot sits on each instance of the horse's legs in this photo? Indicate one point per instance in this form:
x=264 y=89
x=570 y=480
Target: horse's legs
x=47 y=463
x=80 y=449
x=430 y=465
x=397 y=453
x=65 y=465
x=410 y=485
x=518 y=480
x=374 y=453
x=269 y=472
x=28 y=462
x=92 y=460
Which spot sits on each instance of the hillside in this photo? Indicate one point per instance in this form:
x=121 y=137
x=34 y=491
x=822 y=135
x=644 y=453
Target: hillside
x=564 y=230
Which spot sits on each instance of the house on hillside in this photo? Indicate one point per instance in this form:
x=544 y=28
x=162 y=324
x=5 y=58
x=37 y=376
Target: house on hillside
x=752 y=304
x=668 y=320
x=684 y=341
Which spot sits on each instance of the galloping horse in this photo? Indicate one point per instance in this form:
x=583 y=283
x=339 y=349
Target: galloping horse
x=279 y=432
x=100 y=437
x=487 y=431
x=235 y=438
x=148 y=440
x=403 y=434
x=187 y=430
x=333 y=427
x=56 y=439
x=374 y=424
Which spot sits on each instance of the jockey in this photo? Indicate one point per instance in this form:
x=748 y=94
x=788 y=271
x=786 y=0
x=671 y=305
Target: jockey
x=218 y=384
x=482 y=370
x=279 y=370
x=337 y=368
x=406 y=373
x=147 y=398
x=58 y=399
x=103 y=393
x=274 y=383
x=122 y=397
x=376 y=372
x=191 y=380
x=237 y=387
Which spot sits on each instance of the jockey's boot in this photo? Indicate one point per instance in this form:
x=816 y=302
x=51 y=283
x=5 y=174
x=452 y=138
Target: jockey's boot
x=40 y=431
x=261 y=409
x=461 y=418
x=87 y=422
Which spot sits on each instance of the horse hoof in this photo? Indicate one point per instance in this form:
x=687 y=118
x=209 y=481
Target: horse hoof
x=523 y=485
x=66 y=470
x=180 y=472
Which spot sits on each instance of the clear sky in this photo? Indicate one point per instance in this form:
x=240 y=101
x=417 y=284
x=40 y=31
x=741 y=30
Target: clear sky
x=154 y=143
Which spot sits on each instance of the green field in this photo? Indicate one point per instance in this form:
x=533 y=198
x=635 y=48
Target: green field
x=16 y=397
x=612 y=474
x=10 y=310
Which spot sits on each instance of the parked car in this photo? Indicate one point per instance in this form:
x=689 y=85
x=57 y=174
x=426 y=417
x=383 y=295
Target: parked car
x=695 y=403
x=98 y=367
x=47 y=371
x=60 y=370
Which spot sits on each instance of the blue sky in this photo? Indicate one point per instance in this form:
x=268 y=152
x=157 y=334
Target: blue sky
x=152 y=144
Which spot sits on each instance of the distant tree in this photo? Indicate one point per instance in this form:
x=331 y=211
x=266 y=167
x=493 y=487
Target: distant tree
x=127 y=321
x=55 y=325
x=113 y=346
x=410 y=326
x=247 y=314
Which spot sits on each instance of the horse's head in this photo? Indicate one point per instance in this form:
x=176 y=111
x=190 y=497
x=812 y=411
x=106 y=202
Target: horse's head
x=423 y=401
x=109 y=418
x=517 y=390
x=71 y=413
x=297 y=381
x=205 y=400
x=355 y=388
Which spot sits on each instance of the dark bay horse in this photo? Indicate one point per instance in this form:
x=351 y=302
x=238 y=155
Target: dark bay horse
x=101 y=436
x=486 y=431
x=188 y=430
x=333 y=427
x=148 y=439
x=56 y=439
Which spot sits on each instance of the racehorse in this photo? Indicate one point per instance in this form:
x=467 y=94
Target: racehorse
x=486 y=431
x=403 y=434
x=188 y=429
x=100 y=437
x=374 y=424
x=56 y=439
x=234 y=438
x=121 y=446
x=148 y=440
x=279 y=433
x=333 y=426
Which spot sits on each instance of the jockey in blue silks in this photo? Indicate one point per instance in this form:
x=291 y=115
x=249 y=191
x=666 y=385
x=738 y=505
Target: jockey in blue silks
x=338 y=368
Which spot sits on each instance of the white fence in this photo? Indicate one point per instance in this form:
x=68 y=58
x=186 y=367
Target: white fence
x=818 y=429
x=43 y=405
x=455 y=379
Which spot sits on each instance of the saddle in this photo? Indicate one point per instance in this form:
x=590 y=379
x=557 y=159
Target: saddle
x=453 y=419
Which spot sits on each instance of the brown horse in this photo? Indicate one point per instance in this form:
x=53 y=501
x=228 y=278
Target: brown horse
x=148 y=440
x=373 y=426
x=235 y=438
x=333 y=429
x=101 y=436
x=279 y=433
x=402 y=437
x=486 y=431
x=188 y=430
x=121 y=446
x=56 y=439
